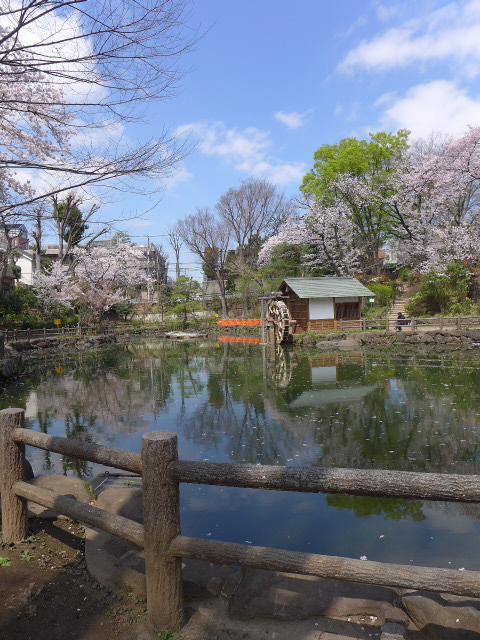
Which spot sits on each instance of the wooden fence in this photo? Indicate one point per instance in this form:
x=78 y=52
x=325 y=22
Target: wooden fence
x=411 y=325
x=160 y=535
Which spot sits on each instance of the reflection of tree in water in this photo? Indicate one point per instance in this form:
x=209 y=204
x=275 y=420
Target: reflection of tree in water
x=233 y=415
x=391 y=508
x=44 y=419
x=78 y=427
x=373 y=411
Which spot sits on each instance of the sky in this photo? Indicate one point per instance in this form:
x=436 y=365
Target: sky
x=270 y=81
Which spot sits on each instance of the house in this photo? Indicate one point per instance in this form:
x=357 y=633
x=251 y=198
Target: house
x=26 y=262
x=317 y=303
x=13 y=236
x=210 y=290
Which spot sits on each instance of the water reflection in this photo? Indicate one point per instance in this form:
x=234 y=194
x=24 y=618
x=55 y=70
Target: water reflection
x=247 y=404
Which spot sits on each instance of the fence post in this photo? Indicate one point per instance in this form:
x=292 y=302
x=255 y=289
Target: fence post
x=12 y=465
x=161 y=517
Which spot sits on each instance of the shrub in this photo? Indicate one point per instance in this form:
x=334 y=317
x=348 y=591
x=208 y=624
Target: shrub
x=442 y=292
x=383 y=294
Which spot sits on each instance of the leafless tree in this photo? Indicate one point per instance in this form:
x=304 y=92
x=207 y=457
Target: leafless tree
x=209 y=239
x=69 y=68
x=254 y=211
x=176 y=243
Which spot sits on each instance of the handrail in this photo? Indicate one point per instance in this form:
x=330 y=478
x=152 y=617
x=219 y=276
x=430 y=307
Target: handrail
x=160 y=535
x=466 y=583
x=80 y=449
x=360 y=482
x=86 y=513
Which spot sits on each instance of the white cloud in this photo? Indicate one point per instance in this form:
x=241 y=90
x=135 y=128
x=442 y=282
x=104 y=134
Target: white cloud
x=292 y=119
x=178 y=175
x=386 y=12
x=431 y=107
x=248 y=150
x=60 y=40
x=451 y=32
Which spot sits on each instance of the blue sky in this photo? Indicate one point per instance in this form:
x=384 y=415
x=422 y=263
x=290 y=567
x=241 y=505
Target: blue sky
x=272 y=80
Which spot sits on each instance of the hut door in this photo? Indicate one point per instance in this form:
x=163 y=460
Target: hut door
x=347 y=310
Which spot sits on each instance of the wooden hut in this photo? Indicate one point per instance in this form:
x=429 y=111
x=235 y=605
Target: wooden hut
x=317 y=303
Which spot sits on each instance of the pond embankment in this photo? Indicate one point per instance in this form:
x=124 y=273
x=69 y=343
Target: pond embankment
x=14 y=355
x=436 y=340
x=440 y=340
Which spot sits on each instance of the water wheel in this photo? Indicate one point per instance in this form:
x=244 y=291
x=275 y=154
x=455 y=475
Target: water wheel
x=282 y=369
x=279 y=315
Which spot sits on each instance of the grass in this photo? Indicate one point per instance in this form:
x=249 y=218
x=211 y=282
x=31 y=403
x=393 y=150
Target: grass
x=4 y=562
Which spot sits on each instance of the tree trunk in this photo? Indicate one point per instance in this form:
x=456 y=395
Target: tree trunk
x=37 y=235
x=223 y=296
x=5 y=262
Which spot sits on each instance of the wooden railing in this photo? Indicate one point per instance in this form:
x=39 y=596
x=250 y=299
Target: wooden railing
x=410 y=325
x=16 y=335
x=160 y=535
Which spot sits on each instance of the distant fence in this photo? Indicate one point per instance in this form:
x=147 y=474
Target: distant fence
x=16 y=335
x=160 y=535
x=410 y=324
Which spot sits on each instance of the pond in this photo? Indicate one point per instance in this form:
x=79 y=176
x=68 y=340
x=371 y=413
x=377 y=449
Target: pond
x=295 y=407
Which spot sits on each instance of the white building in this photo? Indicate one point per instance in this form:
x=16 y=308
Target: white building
x=26 y=261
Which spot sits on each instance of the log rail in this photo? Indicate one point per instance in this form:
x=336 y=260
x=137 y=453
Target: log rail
x=160 y=535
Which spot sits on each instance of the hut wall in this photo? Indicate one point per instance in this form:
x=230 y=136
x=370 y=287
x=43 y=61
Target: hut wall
x=299 y=312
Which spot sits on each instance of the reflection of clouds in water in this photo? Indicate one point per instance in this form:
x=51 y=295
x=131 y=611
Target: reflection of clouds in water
x=452 y=517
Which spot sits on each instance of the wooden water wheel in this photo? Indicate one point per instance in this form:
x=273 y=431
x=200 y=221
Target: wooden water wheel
x=279 y=315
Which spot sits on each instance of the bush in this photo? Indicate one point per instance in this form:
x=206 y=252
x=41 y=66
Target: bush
x=383 y=294
x=21 y=309
x=443 y=292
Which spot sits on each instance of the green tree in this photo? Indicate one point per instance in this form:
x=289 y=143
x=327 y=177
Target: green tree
x=210 y=264
x=69 y=219
x=185 y=297
x=358 y=176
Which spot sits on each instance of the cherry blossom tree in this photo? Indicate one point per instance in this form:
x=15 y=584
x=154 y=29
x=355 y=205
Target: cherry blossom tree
x=97 y=280
x=435 y=204
x=71 y=74
x=427 y=203
x=328 y=236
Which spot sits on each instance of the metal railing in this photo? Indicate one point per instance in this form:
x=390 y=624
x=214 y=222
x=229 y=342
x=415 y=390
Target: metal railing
x=160 y=535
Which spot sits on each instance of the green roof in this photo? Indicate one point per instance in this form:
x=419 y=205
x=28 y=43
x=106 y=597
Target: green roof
x=327 y=287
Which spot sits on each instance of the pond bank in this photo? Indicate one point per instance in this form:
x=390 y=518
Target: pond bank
x=435 y=340
x=13 y=356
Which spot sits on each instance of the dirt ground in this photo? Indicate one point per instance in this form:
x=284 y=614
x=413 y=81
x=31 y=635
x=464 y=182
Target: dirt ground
x=46 y=592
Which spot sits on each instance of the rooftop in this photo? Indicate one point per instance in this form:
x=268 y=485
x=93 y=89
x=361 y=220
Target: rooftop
x=327 y=287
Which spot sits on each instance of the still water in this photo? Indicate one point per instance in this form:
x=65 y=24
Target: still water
x=244 y=404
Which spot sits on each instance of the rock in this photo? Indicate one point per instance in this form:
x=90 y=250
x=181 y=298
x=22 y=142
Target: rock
x=281 y=596
x=393 y=631
x=444 y=616
x=64 y=485
x=118 y=564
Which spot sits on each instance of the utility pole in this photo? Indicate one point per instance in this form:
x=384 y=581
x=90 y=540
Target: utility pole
x=148 y=271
